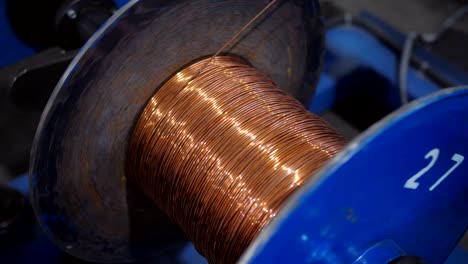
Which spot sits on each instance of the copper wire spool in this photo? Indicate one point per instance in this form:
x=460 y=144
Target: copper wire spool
x=220 y=147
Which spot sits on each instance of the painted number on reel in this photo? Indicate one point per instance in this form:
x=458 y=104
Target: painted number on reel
x=412 y=183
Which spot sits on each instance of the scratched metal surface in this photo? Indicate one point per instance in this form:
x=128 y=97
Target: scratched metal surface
x=79 y=190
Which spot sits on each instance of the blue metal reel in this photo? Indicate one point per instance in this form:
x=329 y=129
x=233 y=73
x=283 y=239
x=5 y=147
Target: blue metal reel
x=401 y=188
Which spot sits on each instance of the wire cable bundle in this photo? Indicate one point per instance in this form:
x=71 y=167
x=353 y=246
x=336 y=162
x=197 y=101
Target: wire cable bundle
x=220 y=148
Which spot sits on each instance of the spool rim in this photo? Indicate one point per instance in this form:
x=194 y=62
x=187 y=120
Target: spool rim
x=265 y=244
x=45 y=144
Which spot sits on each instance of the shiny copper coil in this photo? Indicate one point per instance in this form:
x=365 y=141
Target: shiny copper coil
x=220 y=148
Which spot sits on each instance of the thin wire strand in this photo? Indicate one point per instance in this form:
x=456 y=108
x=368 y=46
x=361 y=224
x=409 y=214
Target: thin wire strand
x=221 y=153
x=245 y=27
x=257 y=16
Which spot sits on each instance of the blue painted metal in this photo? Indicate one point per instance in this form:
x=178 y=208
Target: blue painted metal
x=12 y=49
x=325 y=94
x=451 y=72
x=359 y=198
x=363 y=51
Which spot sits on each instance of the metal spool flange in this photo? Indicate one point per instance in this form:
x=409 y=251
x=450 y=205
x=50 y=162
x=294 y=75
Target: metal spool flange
x=79 y=189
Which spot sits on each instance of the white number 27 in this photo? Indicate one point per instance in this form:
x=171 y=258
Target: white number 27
x=433 y=155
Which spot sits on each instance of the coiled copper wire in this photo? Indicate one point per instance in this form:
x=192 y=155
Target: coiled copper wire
x=220 y=148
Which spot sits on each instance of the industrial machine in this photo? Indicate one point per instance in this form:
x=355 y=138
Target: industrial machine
x=397 y=193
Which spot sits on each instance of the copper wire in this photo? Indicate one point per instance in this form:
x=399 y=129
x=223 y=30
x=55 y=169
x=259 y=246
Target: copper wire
x=257 y=16
x=222 y=152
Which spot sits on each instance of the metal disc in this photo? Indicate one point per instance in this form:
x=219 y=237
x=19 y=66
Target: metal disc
x=79 y=190
x=400 y=188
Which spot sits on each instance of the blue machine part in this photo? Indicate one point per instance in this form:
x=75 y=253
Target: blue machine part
x=11 y=48
x=403 y=180
x=362 y=50
x=448 y=71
